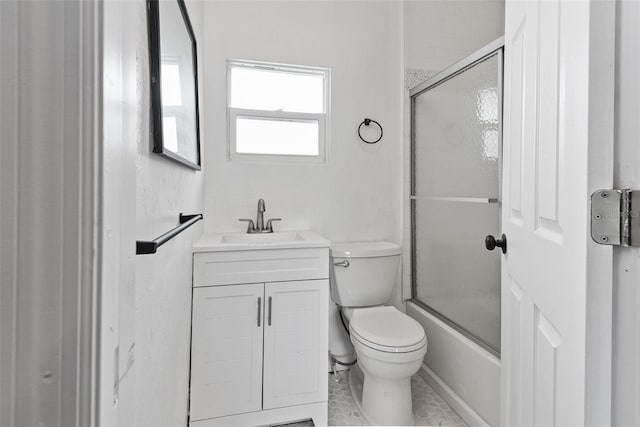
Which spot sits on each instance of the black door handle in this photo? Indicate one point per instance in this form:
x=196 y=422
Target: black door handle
x=490 y=242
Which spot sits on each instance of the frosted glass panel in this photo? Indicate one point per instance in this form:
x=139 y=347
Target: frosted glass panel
x=456 y=275
x=272 y=136
x=457 y=129
x=457 y=155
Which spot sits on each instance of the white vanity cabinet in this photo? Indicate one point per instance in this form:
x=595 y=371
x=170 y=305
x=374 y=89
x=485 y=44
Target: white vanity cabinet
x=295 y=343
x=259 y=348
x=226 y=351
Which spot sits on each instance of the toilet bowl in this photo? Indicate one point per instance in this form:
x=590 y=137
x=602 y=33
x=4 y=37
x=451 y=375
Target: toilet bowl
x=389 y=345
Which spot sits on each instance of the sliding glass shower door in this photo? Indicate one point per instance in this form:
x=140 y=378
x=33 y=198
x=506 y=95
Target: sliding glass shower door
x=455 y=200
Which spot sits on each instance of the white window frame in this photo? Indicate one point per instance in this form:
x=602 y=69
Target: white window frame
x=321 y=118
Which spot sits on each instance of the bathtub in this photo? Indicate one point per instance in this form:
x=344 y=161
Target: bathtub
x=466 y=375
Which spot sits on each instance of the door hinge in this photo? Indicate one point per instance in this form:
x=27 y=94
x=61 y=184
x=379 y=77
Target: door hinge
x=615 y=217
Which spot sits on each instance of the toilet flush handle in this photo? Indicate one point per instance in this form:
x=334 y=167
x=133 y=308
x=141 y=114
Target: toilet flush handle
x=344 y=263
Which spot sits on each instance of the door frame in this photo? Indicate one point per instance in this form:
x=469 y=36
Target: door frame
x=64 y=144
x=600 y=275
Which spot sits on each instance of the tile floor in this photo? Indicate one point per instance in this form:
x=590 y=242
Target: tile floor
x=429 y=408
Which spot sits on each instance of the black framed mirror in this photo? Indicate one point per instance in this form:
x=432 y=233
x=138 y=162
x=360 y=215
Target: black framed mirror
x=175 y=124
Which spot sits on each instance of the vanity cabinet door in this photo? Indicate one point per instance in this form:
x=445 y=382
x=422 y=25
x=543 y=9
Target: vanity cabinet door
x=295 y=343
x=226 y=350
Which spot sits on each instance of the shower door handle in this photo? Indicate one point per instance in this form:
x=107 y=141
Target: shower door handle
x=491 y=242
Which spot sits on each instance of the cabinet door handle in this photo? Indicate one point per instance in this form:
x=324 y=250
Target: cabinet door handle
x=269 y=311
x=259 y=310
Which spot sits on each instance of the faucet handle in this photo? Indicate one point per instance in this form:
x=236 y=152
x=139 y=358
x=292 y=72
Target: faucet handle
x=270 y=226
x=250 y=226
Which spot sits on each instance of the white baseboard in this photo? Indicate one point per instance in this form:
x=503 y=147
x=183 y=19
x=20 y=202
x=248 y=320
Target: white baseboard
x=453 y=400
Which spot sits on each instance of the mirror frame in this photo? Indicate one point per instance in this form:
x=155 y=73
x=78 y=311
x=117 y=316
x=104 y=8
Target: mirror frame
x=154 y=31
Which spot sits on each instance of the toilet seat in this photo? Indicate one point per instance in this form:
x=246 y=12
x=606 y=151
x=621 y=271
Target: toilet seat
x=387 y=329
x=387 y=349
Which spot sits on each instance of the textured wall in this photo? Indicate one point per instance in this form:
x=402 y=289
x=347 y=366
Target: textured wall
x=163 y=281
x=120 y=133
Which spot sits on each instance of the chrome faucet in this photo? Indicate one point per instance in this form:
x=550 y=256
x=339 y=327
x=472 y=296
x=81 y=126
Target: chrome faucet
x=260 y=215
x=259 y=226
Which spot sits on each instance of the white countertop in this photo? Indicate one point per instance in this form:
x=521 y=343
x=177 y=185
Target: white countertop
x=232 y=241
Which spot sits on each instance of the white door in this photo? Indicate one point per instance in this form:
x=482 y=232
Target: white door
x=295 y=343
x=558 y=142
x=226 y=350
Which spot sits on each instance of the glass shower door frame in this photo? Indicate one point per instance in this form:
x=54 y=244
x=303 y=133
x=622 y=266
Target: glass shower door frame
x=494 y=48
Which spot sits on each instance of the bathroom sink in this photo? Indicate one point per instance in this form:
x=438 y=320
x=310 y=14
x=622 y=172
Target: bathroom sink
x=244 y=241
x=261 y=239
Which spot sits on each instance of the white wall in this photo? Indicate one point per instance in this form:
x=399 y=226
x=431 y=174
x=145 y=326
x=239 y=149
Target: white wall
x=353 y=196
x=117 y=298
x=626 y=290
x=356 y=194
x=163 y=281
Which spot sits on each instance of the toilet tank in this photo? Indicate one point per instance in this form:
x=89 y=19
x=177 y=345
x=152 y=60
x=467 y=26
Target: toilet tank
x=363 y=273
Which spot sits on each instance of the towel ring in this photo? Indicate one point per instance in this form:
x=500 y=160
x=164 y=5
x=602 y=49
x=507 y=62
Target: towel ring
x=367 y=122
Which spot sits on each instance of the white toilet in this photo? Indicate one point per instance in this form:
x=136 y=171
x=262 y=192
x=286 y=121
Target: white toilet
x=390 y=346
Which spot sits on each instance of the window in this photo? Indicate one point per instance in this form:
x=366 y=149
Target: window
x=277 y=111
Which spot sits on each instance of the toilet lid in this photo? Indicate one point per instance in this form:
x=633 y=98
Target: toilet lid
x=364 y=249
x=386 y=327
